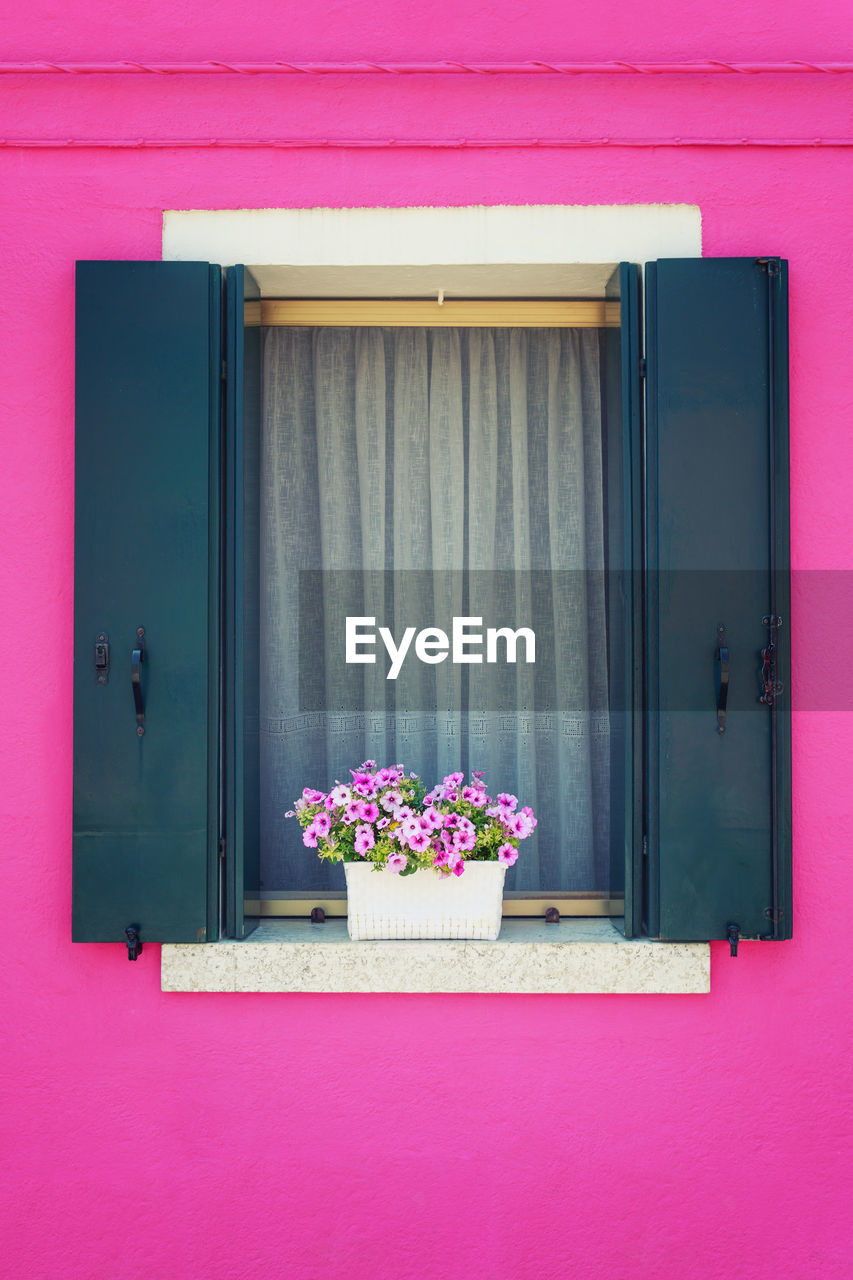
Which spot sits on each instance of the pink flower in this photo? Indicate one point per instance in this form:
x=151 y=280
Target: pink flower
x=383 y=822
x=442 y=856
x=471 y=794
x=352 y=812
x=367 y=788
x=464 y=839
x=314 y=797
x=322 y=824
x=450 y=794
x=363 y=839
x=459 y=868
x=337 y=796
x=518 y=824
x=309 y=837
x=386 y=775
x=507 y=802
x=507 y=854
x=391 y=800
x=397 y=862
x=434 y=818
x=419 y=841
x=368 y=811
x=454 y=779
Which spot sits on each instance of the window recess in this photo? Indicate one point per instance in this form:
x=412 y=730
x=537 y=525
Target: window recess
x=420 y=460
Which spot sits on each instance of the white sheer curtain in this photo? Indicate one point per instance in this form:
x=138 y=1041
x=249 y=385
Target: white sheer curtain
x=433 y=473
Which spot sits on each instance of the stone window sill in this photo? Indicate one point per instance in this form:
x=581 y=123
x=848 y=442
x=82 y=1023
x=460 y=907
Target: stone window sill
x=530 y=957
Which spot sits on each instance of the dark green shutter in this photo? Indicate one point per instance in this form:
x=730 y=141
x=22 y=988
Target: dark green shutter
x=146 y=555
x=242 y=569
x=718 y=819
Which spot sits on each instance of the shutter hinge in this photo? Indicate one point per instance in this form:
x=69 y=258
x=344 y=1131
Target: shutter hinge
x=222 y=847
x=223 y=371
x=133 y=942
x=645 y=846
x=771 y=266
x=643 y=367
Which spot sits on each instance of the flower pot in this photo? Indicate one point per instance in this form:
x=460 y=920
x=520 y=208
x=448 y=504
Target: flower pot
x=381 y=904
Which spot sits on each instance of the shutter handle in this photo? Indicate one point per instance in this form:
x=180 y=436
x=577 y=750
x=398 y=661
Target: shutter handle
x=722 y=657
x=136 y=681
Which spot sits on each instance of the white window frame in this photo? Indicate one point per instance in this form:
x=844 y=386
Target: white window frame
x=486 y=251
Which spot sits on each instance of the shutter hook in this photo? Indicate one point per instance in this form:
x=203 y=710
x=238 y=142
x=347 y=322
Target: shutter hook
x=134 y=944
x=733 y=935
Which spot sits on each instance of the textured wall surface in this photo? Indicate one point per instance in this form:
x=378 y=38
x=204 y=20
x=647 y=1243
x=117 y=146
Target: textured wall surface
x=402 y=1136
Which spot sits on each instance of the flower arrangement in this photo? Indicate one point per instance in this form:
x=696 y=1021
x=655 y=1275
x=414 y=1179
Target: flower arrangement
x=387 y=817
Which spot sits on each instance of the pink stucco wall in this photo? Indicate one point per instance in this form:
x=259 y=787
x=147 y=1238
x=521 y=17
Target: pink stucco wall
x=392 y=1136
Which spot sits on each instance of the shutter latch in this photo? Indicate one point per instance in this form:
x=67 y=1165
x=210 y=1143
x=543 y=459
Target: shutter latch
x=136 y=661
x=770 y=686
x=733 y=935
x=102 y=658
x=723 y=688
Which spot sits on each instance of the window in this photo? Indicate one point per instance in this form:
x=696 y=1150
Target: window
x=705 y=841
x=414 y=470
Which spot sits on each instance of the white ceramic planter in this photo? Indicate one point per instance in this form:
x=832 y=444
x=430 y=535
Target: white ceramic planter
x=381 y=904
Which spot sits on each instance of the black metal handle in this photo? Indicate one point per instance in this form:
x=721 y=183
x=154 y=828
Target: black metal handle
x=136 y=680
x=723 y=690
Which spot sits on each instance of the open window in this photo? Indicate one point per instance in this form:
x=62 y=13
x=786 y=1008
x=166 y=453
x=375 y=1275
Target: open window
x=414 y=463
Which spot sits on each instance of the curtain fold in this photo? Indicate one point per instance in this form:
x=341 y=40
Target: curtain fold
x=432 y=474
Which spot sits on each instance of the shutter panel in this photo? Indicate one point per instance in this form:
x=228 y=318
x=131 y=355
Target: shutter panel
x=717 y=555
x=146 y=539
x=242 y=585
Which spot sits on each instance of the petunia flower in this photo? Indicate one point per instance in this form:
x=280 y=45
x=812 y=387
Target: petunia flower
x=397 y=862
x=363 y=839
x=322 y=824
x=507 y=854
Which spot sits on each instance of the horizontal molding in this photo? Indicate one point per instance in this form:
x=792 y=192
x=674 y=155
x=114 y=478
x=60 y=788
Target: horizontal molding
x=404 y=144
x=530 y=957
x=429 y=313
x=447 y=67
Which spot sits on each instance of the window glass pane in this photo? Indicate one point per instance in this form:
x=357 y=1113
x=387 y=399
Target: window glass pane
x=414 y=476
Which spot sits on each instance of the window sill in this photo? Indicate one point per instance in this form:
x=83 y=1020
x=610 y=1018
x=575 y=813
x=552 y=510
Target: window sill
x=529 y=957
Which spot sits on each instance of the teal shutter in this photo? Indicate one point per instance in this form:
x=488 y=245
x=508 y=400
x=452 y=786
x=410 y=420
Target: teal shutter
x=242 y=610
x=146 y=556
x=718 y=803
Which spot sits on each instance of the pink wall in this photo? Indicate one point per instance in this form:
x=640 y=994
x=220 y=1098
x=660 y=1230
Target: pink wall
x=397 y=1136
